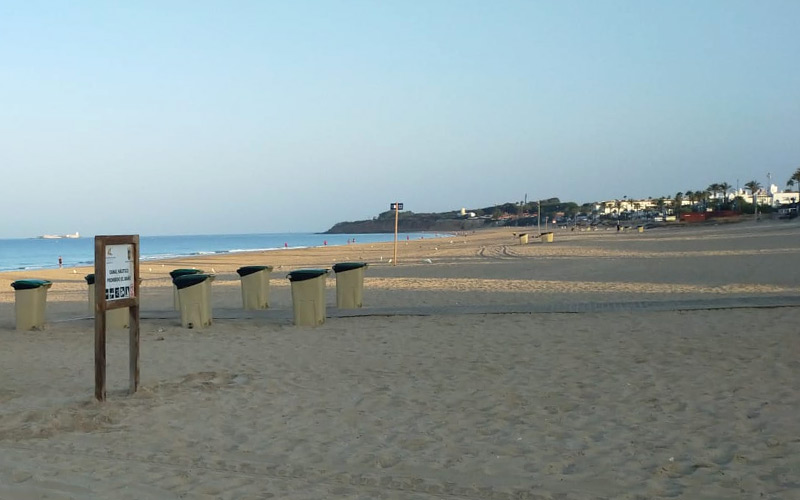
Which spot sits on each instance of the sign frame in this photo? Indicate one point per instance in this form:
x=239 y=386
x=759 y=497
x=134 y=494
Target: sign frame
x=102 y=304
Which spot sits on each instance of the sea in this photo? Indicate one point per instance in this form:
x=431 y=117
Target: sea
x=21 y=254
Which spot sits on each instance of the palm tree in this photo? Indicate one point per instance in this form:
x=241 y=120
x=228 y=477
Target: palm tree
x=689 y=195
x=702 y=199
x=724 y=187
x=678 y=204
x=714 y=189
x=795 y=179
x=754 y=187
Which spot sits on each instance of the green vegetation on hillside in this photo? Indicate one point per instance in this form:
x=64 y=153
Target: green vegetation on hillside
x=506 y=214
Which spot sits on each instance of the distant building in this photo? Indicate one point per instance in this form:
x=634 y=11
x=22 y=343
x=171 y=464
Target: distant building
x=773 y=196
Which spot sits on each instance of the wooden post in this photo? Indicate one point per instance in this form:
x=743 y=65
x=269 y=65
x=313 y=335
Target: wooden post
x=133 y=324
x=539 y=220
x=99 y=320
x=396 y=215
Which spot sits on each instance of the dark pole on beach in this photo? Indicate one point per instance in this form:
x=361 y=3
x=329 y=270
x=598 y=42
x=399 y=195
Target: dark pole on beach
x=396 y=215
x=755 y=205
x=539 y=221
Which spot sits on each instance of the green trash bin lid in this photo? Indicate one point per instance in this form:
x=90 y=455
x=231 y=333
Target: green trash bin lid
x=305 y=274
x=89 y=279
x=183 y=272
x=244 y=271
x=29 y=284
x=348 y=266
x=188 y=280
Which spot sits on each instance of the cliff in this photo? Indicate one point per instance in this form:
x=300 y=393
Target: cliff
x=412 y=224
x=507 y=214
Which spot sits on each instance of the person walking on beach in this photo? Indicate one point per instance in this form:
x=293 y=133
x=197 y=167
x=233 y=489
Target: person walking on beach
x=60 y=262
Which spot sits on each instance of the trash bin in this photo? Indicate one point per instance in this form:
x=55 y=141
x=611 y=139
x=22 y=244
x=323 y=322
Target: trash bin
x=174 y=274
x=523 y=238
x=349 y=284
x=30 y=298
x=547 y=237
x=115 y=318
x=255 y=286
x=194 y=292
x=308 y=296
x=640 y=228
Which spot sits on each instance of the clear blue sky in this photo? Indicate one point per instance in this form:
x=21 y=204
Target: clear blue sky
x=225 y=117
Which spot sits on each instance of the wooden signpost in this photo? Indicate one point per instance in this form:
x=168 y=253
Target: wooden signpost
x=116 y=271
x=396 y=207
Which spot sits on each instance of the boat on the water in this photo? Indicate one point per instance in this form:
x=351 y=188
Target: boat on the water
x=59 y=236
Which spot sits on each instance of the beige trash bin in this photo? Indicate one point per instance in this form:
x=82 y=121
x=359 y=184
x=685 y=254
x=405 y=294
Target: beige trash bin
x=349 y=284
x=641 y=229
x=523 y=238
x=115 y=318
x=547 y=237
x=30 y=299
x=308 y=296
x=194 y=291
x=176 y=300
x=255 y=286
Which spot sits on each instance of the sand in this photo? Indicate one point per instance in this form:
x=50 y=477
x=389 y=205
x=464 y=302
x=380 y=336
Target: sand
x=603 y=365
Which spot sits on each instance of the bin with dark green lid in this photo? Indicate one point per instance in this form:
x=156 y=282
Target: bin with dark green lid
x=30 y=299
x=308 y=296
x=349 y=284
x=255 y=286
x=188 y=280
x=182 y=272
x=30 y=284
x=348 y=266
x=194 y=294
x=305 y=274
x=115 y=318
x=176 y=300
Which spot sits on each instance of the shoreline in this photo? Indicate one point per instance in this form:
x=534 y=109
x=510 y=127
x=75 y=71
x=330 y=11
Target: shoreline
x=158 y=255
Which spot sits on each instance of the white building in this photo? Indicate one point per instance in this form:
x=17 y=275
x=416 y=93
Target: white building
x=773 y=196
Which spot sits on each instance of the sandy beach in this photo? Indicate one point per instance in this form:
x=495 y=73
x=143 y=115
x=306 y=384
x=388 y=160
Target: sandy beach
x=662 y=364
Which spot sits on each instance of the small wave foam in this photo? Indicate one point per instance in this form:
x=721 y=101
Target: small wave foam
x=243 y=250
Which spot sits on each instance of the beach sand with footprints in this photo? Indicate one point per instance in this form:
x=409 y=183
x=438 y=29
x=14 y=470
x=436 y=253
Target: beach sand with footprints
x=662 y=364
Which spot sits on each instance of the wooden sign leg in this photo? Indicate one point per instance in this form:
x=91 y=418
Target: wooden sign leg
x=100 y=356
x=134 y=349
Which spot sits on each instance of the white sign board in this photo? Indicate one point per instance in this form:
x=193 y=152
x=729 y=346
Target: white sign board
x=119 y=272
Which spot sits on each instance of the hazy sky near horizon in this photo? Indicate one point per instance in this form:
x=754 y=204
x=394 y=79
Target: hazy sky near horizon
x=189 y=117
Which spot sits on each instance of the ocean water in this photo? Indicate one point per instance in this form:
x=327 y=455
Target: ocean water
x=36 y=253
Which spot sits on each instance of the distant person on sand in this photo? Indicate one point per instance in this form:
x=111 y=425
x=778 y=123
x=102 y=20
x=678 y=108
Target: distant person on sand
x=60 y=262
